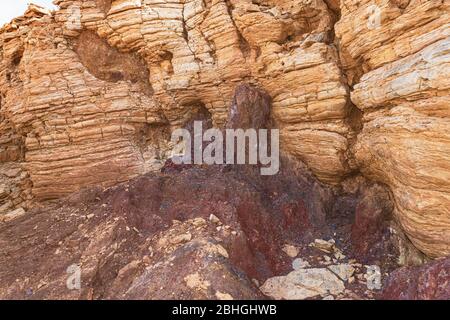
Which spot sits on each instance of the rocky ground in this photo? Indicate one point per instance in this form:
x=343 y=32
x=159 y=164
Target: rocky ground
x=215 y=232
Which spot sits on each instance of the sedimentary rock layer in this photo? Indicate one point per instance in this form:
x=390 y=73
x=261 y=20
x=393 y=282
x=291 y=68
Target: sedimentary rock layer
x=401 y=85
x=87 y=88
x=89 y=93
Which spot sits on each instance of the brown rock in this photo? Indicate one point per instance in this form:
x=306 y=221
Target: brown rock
x=250 y=108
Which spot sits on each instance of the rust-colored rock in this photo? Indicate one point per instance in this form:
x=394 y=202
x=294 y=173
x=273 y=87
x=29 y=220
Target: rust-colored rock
x=250 y=108
x=131 y=241
x=372 y=213
x=428 y=282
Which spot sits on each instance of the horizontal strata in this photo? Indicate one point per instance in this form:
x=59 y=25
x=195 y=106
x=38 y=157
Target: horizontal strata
x=84 y=102
x=404 y=96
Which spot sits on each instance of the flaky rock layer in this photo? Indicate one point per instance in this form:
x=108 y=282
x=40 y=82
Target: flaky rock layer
x=90 y=93
x=404 y=96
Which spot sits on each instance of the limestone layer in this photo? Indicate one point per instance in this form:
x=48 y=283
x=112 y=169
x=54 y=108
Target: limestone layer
x=403 y=66
x=90 y=93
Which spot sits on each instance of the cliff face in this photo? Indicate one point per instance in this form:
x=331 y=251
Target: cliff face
x=90 y=93
x=403 y=92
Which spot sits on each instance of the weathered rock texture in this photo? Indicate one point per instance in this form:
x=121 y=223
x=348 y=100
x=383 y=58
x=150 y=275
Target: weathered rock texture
x=90 y=93
x=400 y=77
x=217 y=232
x=174 y=235
x=428 y=282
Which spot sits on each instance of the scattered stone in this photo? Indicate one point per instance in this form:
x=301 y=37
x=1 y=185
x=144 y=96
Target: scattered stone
x=146 y=259
x=214 y=219
x=290 y=250
x=338 y=254
x=195 y=281
x=186 y=237
x=41 y=284
x=329 y=297
x=302 y=284
x=198 y=222
x=323 y=245
x=224 y=296
x=13 y=215
x=300 y=264
x=343 y=271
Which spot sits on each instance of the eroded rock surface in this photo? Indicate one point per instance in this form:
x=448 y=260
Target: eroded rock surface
x=180 y=228
x=358 y=88
x=428 y=282
x=91 y=89
x=399 y=72
x=182 y=234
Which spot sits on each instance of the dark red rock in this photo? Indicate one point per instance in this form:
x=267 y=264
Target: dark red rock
x=370 y=223
x=250 y=109
x=427 y=282
x=266 y=213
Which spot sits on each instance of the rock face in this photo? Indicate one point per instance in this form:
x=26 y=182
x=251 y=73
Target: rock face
x=428 y=282
x=399 y=72
x=176 y=235
x=91 y=89
x=371 y=221
x=90 y=93
x=181 y=234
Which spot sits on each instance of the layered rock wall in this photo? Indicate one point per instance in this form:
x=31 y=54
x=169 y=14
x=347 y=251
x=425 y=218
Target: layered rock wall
x=403 y=90
x=90 y=92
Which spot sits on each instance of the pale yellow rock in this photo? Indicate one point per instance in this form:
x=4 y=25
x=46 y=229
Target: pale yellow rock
x=403 y=90
x=13 y=215
x=224 y=296
x=302 y=284
x=195 y=281
x=290 y=250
